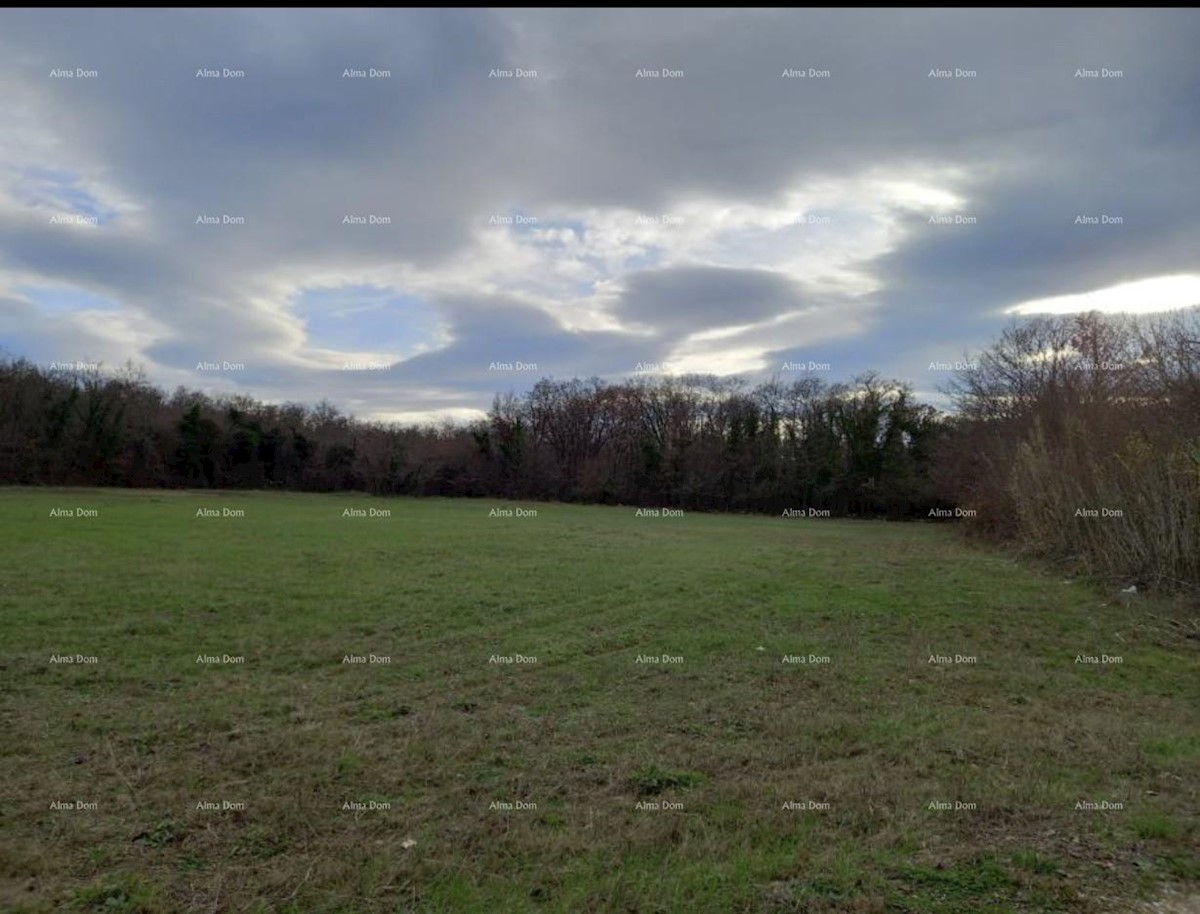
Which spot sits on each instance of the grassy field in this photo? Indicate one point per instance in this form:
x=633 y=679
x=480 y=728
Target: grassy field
x=719 y=779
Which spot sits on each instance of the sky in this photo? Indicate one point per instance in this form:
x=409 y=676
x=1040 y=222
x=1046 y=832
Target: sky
x=505 y=195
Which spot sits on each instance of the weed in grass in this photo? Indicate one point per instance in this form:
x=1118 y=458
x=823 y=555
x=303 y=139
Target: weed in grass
x=122 y=895
x=652 y=780
x=1034 y=862
x=1157 y=825
x=163 y=833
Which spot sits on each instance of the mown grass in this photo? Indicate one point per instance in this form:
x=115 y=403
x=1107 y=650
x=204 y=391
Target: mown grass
x=713 y=746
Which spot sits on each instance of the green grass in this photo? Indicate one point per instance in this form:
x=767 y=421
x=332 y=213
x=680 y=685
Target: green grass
x=520 y=782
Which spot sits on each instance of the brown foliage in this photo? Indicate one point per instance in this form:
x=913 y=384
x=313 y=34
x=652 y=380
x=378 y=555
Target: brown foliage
x=1079 y=438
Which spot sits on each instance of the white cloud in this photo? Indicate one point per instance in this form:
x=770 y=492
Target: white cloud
x=1143 y=296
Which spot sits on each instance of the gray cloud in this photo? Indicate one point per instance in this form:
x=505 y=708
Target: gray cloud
x=684 y=299
x=293 y=147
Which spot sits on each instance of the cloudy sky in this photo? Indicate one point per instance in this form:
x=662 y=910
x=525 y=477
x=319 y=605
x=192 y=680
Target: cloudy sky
x=507 y=195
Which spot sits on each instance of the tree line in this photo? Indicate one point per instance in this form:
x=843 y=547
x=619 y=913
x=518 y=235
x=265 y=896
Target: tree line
x=693 y=442
x=1076 y=437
